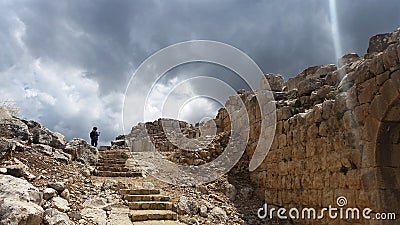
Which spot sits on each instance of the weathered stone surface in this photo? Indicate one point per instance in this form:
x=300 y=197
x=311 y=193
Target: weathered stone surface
x=5 y=147
x=60 y=204
x=14 y=128
x=347 y=59
x=390 y=58
x=275 y=82
x=230 y=192
x=49 y=193
x=97 y=216
x=219 y=213
x=58 y=186
x=80 y=150
x=377 y=66
x=19 y=202
x=378 y=43
x=55 y=217
x=367 y=91
x=42 y=135
x=20 y=170
x=186 y=206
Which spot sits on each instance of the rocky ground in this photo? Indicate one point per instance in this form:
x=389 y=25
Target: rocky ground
x=46 y=180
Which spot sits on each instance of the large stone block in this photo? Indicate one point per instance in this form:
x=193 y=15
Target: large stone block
x=367 y=90
x=378 y=43
x=390 y=58
x=377 y=66
x=347 y=59
x=371 y=129
x=275 y=82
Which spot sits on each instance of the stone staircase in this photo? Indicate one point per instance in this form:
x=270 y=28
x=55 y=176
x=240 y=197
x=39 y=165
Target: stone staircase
x=112 y=163
x=149 y=207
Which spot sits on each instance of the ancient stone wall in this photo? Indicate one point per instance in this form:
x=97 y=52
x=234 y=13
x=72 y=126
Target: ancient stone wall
x=337 y=134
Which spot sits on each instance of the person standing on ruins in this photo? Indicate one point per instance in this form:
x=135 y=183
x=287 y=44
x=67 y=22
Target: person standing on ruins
x=94 y=136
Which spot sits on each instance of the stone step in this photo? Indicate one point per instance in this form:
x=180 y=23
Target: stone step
x=114 y=156
x=150 y=205
x=113 y=168
x=110 y=163
x=138 y=198
x=139 y=191
x=157 y=222
x=118 y=174
x=104 y=148
x=114 y=150
x=142 y=215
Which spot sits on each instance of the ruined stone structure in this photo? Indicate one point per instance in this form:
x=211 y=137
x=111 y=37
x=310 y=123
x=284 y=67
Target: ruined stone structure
x=337 y=135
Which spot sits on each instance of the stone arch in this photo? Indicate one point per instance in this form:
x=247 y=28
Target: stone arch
x=382 y=177
x=387 y=151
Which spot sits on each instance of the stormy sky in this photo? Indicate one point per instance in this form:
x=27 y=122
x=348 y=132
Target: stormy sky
x=67 y=64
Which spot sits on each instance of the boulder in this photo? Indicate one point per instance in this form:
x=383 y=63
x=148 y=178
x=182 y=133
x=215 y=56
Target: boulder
x=42 y=135
x=19 y=202
x=49 y=193
x=58 y=186
x=119 y=143
x=230 y=192
x=20 y=170
x=219 y=214
x=60 y=203
x=5 y=113
x=65 y=194
x=61 y=156
x=55 y=217
x=186 y=206
x=203 y=211
x=378 y=43
x=275 y=82
x=347 y=59
x=14 y=128
x=5 y=147
x=305 y=87
x=81 y=151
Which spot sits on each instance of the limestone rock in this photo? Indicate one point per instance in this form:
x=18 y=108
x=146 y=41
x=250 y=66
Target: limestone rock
x=81 y=151
x=348 y=58
x=230 y=192
x=305 y=87
x=219 y=213
x=62 y=156
x=42 y=135
x=19 y=202
x=14 y=128
x=60 y=204
x=97 y=216
x=275 y=82
x=119 y=143
x=55 y=217
x=65 y=194
x=20 y=170
x=378 y=43
x=203 y=211
x=186 y=206
x=59 y=186
x=5 y=147
x=49 y=193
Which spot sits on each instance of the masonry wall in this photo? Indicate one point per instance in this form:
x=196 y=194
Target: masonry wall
x=337 y=134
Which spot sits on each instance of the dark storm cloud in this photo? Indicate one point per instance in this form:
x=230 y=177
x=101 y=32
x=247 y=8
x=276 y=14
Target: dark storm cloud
x=105 y=41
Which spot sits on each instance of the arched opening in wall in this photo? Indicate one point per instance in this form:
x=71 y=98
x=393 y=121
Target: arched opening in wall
x=388 y=159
